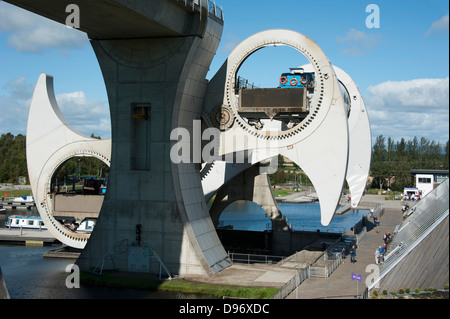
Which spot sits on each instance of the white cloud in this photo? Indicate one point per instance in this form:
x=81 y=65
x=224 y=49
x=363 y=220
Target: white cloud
x=231 y=41
x=14 y=106
x=358 y=42
x=28 y=32
x=418 y=107
x=85 y=115
x=415 y=95
x=438 y=26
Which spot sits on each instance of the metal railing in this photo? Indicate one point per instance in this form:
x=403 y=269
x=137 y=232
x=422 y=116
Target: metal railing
x=292 y=284
x=328 y=269
x=428 y=213
x=254 y=258
x=243 y=83
x=212 y=7
x=215 y=10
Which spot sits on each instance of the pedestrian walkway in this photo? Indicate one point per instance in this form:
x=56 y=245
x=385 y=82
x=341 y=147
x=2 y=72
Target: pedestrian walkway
x=30 y=236
x=340 y=284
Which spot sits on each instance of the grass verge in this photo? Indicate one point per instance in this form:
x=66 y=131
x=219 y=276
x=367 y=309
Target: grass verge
x=116 y=280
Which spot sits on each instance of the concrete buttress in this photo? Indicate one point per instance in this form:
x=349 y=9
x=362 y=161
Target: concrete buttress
x=155 y=85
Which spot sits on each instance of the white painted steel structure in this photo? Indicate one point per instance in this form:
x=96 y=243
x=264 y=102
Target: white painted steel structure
x=360 y=138
x=50 y=142
x=319 y=144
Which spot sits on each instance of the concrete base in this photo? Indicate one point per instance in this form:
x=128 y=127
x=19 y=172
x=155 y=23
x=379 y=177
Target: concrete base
x=3 y=290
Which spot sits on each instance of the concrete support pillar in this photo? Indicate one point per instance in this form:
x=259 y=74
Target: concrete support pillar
x=154 y=86
x=3 y=290
x=255 y=187
x=249 y=185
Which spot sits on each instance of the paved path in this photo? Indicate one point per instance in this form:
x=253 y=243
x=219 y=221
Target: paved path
x=250 y=276
x=16 y=235
x=340 y=283
x=298 y=197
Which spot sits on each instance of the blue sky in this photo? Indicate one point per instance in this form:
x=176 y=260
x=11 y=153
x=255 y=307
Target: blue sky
x=401 y=67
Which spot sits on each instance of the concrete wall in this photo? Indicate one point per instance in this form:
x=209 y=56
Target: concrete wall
x=269 y=243
x=78 y=206
x=427 y=265
x=3 y=290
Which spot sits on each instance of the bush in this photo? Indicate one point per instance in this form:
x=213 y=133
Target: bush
x=401 y=291
x=375 y=293
x=407 y=290
x=384 y=292
x=393 y=293
x=417 y=290
x=446 y=286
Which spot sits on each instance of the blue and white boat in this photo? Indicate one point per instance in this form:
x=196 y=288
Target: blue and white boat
x=30 y=222
x=24 y=199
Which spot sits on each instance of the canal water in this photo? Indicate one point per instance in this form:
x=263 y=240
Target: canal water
x=243 y=215
x=30 y=276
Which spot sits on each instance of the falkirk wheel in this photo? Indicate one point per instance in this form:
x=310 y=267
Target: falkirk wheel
x=327 y=135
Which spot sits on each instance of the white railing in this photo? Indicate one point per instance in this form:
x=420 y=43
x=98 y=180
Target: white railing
x=429 y=212
x=328 y=269
x=292 y=284
x=212 y=7
x=254 y=258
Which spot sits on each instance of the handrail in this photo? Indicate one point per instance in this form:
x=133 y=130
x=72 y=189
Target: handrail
x=429 y=212
x=292 y=284
x=254 y=258
x=212 y=7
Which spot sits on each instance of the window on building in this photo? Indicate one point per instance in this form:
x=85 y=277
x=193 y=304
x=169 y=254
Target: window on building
x=440 y=178
x=424 y=180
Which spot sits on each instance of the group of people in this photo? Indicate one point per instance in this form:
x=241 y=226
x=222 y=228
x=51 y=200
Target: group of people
x=381 y=250
x=411 y=197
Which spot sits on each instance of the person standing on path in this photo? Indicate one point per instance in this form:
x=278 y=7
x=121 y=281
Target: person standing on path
x=353 y=254
x=377 y=256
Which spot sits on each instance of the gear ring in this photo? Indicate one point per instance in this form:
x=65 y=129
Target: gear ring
x=320 y=102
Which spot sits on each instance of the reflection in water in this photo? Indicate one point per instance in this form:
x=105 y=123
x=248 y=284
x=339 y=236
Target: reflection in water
x=244 y=215
x=30 y=276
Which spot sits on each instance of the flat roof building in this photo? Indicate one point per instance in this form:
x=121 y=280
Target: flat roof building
x=427 y=179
